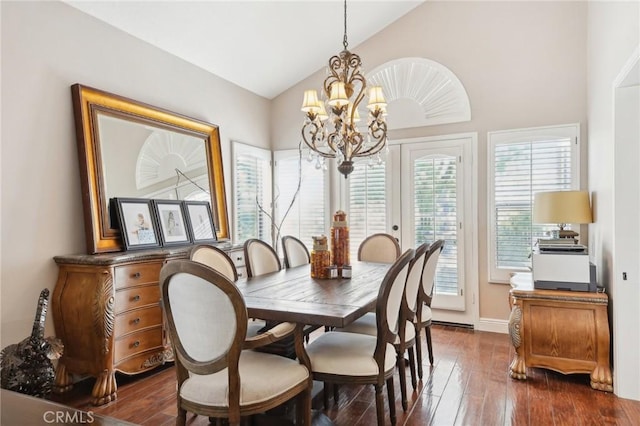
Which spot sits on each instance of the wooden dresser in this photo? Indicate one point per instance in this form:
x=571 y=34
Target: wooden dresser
x=106 y=310
x=565 y=331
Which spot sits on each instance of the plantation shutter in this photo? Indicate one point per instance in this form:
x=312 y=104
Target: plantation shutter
x=436 y=214
x=252 y=189
x=367 y=213
x=308 y=214
x=523 y=163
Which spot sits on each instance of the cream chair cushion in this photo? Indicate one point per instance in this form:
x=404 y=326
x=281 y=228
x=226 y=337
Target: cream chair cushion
x=382 y=248
x=347 y=354
x=215 y=260
x=296 y=253
x=366 y=324
x=426 y=313
x=262 y=376
x=262 y=259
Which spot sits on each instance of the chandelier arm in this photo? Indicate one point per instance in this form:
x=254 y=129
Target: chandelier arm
x=379 y=132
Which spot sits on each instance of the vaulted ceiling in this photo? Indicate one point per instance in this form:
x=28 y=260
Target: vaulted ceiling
x=263 y=46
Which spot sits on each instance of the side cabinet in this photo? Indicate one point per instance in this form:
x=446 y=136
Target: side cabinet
x=106 y=310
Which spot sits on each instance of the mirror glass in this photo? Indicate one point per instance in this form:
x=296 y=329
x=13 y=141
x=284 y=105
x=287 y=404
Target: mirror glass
x=143 y=161
x=129 y=149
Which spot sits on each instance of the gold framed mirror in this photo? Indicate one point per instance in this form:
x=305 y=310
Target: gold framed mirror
x=130 y=149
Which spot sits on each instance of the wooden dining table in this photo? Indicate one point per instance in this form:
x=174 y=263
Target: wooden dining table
x=292 y=295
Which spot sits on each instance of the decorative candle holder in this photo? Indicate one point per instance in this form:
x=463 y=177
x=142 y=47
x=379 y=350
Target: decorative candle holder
x=340 y=241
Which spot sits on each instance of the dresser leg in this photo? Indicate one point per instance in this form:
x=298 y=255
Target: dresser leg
x=63 y=382
x=104 y=390
x=601 y=378
x=518 y=368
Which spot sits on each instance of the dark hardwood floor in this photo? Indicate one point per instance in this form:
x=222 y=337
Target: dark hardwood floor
x=467 y=385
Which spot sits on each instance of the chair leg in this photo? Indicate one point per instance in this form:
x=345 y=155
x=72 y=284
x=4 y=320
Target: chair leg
x=181 y=419
x=419 y=351
x=379 y=405
x=336 y=394
x=303 y=408
x=427 y=331
x=403 y=380
x=392 y=400
x=325 y=395
x=412 y=367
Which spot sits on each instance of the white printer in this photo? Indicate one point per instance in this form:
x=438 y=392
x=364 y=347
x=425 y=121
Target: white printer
x=563 y=270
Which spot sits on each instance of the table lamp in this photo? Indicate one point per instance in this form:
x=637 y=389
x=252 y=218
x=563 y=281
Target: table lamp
x=561 y=208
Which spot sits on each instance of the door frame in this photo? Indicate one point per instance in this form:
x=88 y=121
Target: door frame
x=470 y=215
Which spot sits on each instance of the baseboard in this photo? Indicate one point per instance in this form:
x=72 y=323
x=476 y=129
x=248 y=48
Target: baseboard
x=493 y=325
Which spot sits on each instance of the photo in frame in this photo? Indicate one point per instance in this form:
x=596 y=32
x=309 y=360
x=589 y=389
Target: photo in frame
x=137 y=223
x=171 y=222
x=200 y=221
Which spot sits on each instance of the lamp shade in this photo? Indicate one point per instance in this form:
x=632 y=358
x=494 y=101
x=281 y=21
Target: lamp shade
x=560 y=207
x=338 y=95
x=376 y=98
x=310 y=102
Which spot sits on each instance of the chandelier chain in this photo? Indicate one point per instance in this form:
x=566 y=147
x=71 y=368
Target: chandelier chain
x=344 y=40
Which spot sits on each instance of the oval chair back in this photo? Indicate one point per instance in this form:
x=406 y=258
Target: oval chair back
x=425 y=295
x=382 y=248
x=260 y=258
x=295 y=252
x=215 y=258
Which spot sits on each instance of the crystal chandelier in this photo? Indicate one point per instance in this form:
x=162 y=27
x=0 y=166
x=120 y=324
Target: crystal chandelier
x=336 y=135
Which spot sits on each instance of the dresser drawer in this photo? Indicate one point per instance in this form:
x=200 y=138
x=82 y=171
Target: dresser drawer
x=237 y=256
x=131 y=344
x=242 y=272
x=137 y=274
x=131 y=321
x=137 y=297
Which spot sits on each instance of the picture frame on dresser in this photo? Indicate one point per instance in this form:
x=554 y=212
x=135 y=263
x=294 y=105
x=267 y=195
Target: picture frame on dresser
x=138 y=226
x=200 y=222
x=172 y=225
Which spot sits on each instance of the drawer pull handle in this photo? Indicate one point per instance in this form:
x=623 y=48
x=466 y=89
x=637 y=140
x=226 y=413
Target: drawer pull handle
x=136 y=344
x=135 y=298
x=136 y=321
x=136 y=275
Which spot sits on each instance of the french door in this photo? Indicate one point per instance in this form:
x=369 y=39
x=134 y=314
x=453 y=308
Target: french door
x=437 y=202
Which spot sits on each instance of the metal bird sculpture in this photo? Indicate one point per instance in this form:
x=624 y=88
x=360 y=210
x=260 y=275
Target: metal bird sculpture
x=26 y=367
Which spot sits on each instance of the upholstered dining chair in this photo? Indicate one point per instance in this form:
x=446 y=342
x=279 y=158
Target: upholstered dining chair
x=383 y=248
x=406 y=338
x=425 y=295
x=295 y=252
x=217 y=377
x=260 y=258
x=341 y=358
x=217 y=259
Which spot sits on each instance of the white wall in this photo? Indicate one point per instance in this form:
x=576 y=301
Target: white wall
x=47 y=47
x=523 y=64
x=613 y=35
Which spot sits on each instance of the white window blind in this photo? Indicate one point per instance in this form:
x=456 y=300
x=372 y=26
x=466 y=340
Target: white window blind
x=308 y=215
x=252 y=189
x=524 y=162
x=367 y=212
x=436 y=214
